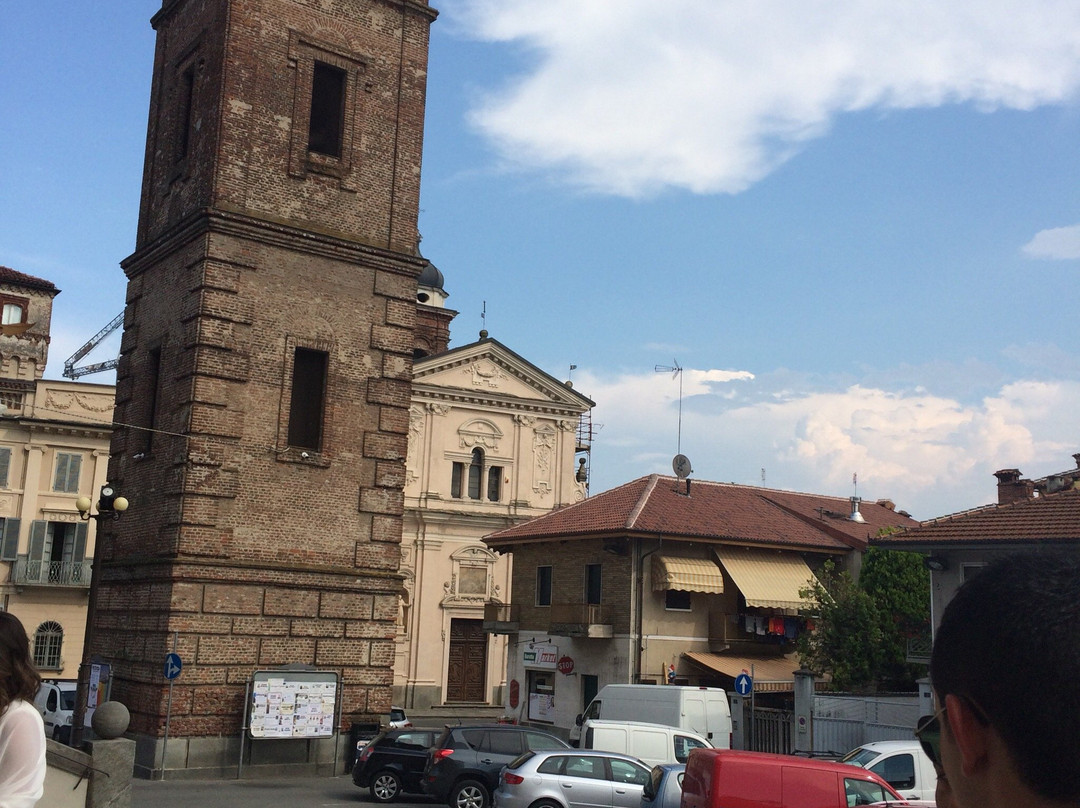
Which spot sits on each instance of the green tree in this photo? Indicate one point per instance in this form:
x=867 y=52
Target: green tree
x=846 y=640
x=899 y=584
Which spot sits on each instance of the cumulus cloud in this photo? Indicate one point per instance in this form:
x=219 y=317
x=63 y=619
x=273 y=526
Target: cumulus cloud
x=711 y=96
x=1057 y=243
x=931 y=454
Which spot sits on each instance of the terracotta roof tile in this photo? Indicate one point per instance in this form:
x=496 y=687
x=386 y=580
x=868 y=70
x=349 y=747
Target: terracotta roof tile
x=9 y=275
x=1051 y=517
x=658 y=506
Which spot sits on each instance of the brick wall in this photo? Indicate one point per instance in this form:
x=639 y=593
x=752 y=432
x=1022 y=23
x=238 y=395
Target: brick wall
x=246 y=552
x=567 y=560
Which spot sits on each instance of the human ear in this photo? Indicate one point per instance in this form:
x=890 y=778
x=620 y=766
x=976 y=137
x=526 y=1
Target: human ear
x=969 y=732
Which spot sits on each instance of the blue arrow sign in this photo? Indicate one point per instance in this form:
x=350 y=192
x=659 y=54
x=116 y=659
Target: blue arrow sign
x=172 y=666
x=743 y=684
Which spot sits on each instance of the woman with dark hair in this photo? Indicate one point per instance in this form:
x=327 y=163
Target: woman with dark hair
x=22 y=733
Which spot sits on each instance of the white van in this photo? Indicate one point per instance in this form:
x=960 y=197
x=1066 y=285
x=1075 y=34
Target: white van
x=703 y=710
x=55 y=700
x=651 y=743
x=901 y=764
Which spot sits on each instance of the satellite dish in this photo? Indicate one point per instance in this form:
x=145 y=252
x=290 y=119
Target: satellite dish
x=681 y=464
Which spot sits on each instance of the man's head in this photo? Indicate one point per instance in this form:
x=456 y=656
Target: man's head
x=1008 y=653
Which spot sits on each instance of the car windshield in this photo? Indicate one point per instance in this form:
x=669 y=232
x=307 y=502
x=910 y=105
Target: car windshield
x=859 y=756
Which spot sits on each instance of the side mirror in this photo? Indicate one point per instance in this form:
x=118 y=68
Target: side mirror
x=579 y=720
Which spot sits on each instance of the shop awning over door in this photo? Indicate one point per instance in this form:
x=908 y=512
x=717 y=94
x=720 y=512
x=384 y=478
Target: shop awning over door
x=766 y=578
x=686 y=574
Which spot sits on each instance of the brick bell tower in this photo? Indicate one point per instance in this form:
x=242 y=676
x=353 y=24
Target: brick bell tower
x=264 y=380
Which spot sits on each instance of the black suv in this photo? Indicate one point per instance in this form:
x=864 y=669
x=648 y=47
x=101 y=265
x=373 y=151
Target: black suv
x=393 y=761
x=464 y=764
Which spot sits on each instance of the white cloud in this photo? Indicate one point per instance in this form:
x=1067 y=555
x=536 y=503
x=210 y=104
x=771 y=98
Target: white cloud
x=931 y=454
x=1057 y=243
x=712 y=95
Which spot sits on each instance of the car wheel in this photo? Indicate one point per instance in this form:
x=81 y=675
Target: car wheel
x=56 y=733
x=469 y=794
x=385 y=786
x=545 y=804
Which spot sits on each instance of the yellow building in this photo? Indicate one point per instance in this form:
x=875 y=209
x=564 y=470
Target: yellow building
x=54 y=448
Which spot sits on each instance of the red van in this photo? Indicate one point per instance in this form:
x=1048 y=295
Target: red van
x=729 y=778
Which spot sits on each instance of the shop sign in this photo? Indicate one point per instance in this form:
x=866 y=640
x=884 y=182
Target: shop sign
x=540 y=655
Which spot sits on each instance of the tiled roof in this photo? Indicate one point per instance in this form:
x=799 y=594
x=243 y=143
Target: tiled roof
x=9 y=275
x=658 y=506
x=1051 y=517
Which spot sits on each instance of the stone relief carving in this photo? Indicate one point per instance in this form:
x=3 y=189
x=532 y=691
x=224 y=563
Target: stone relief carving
x=525 y=420
x=479 y=433
x=438 y=409
x=416 y=434
x=543 y=454
x=60 y=400
x=484 y=374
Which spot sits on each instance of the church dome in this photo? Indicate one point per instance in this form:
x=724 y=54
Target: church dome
x=431 y=277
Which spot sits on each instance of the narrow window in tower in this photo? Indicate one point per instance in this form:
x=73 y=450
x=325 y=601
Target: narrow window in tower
x=308 y=398
x=476 y=471
x=455 y=480
x=494 y=483
x=327 y=110
x=186 y=92
x=153 y=377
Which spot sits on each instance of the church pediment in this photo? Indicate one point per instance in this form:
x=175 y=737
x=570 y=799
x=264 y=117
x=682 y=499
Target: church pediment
x=489 y=369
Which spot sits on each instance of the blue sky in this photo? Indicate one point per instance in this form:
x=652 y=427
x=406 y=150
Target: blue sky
x=856 y=228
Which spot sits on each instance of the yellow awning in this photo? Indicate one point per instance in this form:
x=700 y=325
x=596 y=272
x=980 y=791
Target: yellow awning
x=686 y=574
x=766 y=578
x=771 y=674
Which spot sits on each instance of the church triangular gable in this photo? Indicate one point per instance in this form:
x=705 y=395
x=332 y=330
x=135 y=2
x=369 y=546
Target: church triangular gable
x=488 y=368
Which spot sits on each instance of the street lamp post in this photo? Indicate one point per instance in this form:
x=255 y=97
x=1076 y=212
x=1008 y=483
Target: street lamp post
x=109 y=507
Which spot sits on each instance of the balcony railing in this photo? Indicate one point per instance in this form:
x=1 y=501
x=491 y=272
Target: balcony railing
x=581 y=620
x=27 y=572
x=501 y=618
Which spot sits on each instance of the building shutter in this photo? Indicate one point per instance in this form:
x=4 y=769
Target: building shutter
x=79 y=554
x=9 y=541
x=5 y=466
x=37 y=539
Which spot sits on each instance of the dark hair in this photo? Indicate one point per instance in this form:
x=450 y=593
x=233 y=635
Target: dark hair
x=19 y=678
x=1009 y=641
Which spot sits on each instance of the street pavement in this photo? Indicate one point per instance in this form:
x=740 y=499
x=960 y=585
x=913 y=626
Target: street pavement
x=308 y=792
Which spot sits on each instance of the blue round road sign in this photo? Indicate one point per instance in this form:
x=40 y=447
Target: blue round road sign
x=172 y=666
x=743 y=684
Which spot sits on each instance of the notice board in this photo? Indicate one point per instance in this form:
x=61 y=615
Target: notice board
x=293 y=704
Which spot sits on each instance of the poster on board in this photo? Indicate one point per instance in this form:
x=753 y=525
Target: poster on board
x=293 y=704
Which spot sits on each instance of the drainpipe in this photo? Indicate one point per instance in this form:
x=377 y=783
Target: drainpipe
x=638 y=581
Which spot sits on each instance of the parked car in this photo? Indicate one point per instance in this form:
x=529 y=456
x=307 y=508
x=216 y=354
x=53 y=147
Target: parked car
x=901 y=764
x=664 y=789
x=721 y=778
x=398 y=719
x=463 y=765
x=55 y=700
x=393 y=762
x=577 y=778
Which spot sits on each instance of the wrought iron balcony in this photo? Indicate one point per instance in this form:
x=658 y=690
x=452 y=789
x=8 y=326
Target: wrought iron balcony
x=36 y=572
x=501 y=618
x=581 y=620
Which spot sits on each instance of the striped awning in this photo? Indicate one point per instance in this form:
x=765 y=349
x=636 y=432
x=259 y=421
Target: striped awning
x=686 y=574
x=766 y=578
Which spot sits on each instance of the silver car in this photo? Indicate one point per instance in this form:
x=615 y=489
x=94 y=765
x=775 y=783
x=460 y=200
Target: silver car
x=572 y=778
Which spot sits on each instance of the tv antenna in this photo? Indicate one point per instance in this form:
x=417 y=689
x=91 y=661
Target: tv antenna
x=676 y=371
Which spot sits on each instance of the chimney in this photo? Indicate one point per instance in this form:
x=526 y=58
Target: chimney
x=1011 y=488
x=855 y=515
